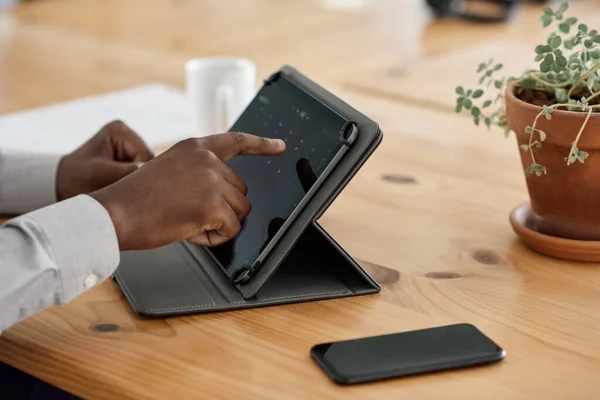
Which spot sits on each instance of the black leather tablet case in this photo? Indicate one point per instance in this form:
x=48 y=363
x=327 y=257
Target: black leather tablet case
x=306 y=264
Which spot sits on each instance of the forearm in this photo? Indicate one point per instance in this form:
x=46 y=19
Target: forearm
x=50 y=256
x=27 y=181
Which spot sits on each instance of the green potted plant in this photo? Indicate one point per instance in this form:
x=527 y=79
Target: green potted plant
x=554 y=112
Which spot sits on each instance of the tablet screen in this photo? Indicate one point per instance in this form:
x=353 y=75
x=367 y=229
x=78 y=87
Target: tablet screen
x=276 y=184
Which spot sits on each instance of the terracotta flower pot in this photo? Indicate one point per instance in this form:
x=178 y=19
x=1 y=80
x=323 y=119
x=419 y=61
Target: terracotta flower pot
x=566 y=200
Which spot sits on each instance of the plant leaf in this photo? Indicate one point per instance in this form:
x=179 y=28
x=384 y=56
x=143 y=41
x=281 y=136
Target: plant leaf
x=561 y=95
x=488 y=121
x=585 y=56
x=564 y=28
x=588 y=43
x=468 y=104
x=481 y=67
x=573 y=155
x=583 y=28
x=524 y=147
x=476 y=112
x=498 y=66
x=535 y=168
x=486 y=104
x=548 y=11
x=545 y=67
x=563 y=7
x=540 y=169
x=538 y=145
x=591 y=82
x=481 y=80
x=528 y=83
x=546 y=20
x=477 y=94
x=555 y=42
x=528 y=130
x=570 y=21
x=569 y=44
x=563 y=76
x=460 y=90
x=561 y=61
x=556 y=68
x=542 y=135
x=596 y=38
x=547 y=112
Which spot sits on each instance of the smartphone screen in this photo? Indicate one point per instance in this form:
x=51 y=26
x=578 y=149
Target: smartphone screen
x=277 y=184
x=406 y=353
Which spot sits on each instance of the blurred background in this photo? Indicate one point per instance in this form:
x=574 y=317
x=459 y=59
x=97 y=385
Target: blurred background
x=54 y=50
x=408 y=52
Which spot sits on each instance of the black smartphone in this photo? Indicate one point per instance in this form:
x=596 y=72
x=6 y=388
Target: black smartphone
x=279 y=187
x=406 y=353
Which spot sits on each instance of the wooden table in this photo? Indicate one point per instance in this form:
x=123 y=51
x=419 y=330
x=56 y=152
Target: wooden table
x=427 y=215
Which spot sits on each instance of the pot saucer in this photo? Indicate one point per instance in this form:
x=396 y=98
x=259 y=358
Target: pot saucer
x=522 y=221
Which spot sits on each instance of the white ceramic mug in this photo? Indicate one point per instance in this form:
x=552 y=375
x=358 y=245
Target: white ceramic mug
x=217 y=91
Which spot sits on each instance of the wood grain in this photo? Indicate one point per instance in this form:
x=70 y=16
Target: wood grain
x=427 y=215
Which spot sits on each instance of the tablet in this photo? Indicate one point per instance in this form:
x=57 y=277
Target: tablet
x=279 y=187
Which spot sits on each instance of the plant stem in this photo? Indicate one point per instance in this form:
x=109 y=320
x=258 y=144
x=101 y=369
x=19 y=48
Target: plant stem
x=594 y=107
x=533 y=129
x=554 y=85
x=593 y=96
x=531 y=137
x=583 y=78
x=587 y=118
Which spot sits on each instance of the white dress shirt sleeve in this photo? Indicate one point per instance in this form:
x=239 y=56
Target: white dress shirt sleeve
x=52 y=255
x=27 y=181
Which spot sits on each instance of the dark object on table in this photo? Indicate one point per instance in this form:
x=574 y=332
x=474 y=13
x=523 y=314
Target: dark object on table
x=17 y=385
x=478 y=10
x=407 y=353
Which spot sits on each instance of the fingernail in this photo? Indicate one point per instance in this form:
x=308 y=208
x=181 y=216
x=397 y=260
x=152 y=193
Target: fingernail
x=279 y=143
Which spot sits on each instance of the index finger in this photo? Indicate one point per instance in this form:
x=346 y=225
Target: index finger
x=230 y=144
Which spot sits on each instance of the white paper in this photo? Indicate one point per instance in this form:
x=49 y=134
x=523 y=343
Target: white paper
x=156 y=112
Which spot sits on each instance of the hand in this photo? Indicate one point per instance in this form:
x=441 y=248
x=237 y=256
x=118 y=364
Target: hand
x=186 y=193
x=114 y=152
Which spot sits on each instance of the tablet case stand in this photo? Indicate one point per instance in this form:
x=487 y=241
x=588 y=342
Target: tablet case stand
x=307 y=264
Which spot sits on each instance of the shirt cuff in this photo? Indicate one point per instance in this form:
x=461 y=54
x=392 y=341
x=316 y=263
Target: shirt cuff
x=83 y=242
x=27 y=181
